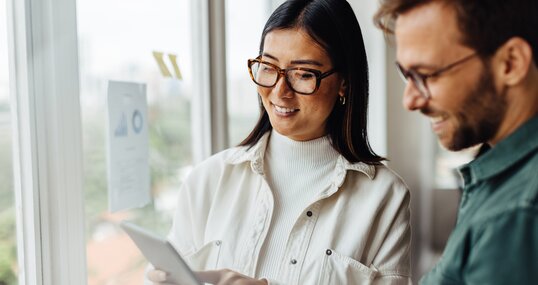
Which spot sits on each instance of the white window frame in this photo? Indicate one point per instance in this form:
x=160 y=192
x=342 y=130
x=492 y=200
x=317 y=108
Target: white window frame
x=211 y=129
x=47 y=141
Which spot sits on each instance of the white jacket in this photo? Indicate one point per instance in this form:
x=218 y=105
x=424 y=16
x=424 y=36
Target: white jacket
x=355 y=232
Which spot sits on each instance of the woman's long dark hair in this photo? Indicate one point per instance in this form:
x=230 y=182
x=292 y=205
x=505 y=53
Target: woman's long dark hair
x=331 y=23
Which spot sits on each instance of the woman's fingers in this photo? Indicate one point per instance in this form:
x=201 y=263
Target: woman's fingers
x=156 y=275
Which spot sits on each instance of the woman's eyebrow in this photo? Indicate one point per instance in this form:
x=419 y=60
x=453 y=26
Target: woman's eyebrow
x=270 y=56
x=300 y=61
x=307 y=61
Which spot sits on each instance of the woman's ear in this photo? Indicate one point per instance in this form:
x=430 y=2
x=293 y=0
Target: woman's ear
x=343 y=88
x=512 y=61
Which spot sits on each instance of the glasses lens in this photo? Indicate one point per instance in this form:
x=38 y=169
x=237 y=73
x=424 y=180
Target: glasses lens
x=420 y=83
x=264 y=75
x=302 y=81
x=418 y=80
x=401 y=72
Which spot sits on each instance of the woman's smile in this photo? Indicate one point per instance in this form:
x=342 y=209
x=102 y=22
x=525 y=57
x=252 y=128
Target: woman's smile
x=284 y=111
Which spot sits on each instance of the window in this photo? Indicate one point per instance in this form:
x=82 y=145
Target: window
x=133 y=41
x=242 y=42
x=8 y=241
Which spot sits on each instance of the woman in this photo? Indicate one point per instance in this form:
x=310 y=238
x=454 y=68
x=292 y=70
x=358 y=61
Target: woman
x=303 y=199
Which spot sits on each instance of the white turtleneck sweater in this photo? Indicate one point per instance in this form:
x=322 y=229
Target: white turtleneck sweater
x=296 y=171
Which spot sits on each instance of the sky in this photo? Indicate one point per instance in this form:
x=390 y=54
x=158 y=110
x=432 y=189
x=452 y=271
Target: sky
x=4 y=79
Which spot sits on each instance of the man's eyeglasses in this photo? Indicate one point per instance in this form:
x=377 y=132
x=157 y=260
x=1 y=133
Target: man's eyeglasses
x=299 y=79
x=419 y=79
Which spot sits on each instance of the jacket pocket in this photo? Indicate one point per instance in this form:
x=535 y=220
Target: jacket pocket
x=340 y=269
x=206 y=258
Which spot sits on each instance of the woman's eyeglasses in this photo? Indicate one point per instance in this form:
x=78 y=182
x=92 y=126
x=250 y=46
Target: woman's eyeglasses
x=301 y=80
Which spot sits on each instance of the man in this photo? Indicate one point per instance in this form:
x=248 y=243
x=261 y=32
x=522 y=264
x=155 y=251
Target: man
x=471 y=67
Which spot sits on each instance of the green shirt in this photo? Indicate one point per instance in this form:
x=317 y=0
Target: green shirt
x=495 y=240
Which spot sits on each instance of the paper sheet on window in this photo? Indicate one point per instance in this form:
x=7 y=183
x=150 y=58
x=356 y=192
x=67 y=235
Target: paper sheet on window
x=128 y=147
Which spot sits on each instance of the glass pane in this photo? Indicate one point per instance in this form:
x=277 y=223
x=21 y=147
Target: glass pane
x=117 y=40
x=8 y=240
x=242 y=42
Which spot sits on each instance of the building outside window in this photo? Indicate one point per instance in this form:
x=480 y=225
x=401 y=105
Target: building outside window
x=243 y=36
x=134 y=41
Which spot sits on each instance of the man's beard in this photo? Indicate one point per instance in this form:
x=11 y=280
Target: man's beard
x=481 y=114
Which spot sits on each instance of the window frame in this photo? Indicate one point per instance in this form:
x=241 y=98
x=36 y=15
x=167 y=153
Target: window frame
x=46 y=141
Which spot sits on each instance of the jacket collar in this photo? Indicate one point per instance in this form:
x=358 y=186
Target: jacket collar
x=255 y=154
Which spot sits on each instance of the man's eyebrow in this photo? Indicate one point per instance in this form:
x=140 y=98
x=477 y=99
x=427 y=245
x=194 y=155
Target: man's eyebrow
x=417 y=66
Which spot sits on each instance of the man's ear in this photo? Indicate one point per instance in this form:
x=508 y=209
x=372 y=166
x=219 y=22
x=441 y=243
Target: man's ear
x=512 y=61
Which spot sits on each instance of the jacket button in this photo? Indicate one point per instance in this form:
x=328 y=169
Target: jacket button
x=328 y=252
x=293 y=261
x=309 y=213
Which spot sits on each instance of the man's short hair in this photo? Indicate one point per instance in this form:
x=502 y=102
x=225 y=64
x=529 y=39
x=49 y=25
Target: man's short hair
x=485 y=24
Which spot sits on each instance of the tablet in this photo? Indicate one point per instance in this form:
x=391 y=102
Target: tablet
x=161 y=254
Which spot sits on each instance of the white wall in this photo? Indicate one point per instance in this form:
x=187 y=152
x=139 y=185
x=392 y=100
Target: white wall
x=375 y=50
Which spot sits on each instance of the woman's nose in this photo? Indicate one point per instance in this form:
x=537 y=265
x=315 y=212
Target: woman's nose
x=281 y=89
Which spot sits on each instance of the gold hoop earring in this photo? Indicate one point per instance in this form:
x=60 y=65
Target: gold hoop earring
x=342 y=100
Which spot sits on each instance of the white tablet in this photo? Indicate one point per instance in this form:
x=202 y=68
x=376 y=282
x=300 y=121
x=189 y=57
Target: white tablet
x=161 y=254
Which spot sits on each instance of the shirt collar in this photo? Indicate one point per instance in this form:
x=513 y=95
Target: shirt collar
x=503 y=155
x=254 y=154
